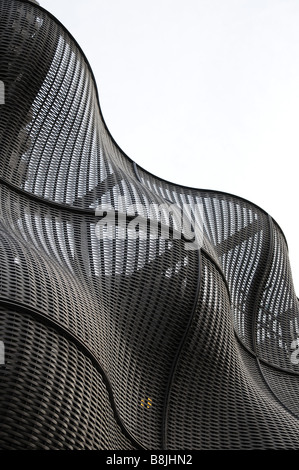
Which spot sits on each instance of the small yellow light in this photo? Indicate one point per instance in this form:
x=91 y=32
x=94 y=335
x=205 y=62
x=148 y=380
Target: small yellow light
x=148 y=404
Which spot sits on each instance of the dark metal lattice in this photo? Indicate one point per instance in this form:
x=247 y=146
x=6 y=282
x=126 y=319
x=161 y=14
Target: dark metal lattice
x=127 y=342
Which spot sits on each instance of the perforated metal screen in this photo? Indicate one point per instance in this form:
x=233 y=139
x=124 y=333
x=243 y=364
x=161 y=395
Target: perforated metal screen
x=134 y=313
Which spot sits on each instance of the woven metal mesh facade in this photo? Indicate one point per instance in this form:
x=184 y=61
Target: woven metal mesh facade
x=127 y=342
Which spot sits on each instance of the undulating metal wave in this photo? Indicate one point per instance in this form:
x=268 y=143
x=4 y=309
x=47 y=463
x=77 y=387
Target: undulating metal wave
x=134 y=313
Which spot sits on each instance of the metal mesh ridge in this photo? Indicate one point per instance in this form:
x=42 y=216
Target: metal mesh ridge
x=127 y=340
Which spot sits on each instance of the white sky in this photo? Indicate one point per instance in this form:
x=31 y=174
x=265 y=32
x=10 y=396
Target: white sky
x=212 y=85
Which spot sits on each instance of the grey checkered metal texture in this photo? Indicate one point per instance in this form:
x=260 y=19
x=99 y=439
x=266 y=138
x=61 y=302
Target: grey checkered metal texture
x=122 y=342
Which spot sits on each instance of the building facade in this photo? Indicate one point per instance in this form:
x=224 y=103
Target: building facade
x=134 y=313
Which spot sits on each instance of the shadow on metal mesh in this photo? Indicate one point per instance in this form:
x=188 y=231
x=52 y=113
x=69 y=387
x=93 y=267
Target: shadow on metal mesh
x=135 y=313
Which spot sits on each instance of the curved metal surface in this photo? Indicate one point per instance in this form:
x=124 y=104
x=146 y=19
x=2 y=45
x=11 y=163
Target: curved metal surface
x=135 y=313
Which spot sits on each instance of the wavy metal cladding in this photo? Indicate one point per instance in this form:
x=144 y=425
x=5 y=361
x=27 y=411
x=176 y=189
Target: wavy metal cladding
x=122 y=342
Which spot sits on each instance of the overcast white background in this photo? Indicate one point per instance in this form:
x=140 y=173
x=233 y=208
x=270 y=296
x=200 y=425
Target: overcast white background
x=204 y=93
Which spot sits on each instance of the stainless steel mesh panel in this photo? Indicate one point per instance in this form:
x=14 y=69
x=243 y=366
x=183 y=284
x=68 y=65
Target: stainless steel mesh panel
x=135 y=313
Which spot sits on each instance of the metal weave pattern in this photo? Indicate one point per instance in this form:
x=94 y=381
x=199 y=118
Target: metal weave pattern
x=127 y=342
